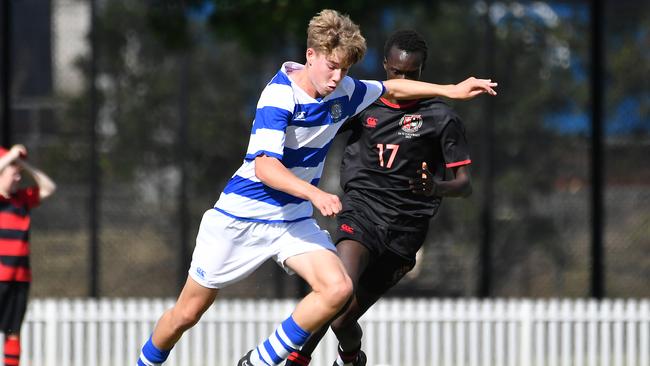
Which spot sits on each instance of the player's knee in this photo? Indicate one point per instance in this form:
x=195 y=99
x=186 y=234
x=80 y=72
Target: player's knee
x=338 y=291
x=185 y=318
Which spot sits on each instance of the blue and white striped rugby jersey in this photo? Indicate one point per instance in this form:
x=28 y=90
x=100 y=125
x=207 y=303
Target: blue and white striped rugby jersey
x=298 y=130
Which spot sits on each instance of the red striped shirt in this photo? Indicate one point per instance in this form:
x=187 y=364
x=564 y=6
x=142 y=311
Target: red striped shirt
x=15 y=223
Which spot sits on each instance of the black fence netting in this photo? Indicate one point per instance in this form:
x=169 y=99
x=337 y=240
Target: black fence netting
x=176 y=99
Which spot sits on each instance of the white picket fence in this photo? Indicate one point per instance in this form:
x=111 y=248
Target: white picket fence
x=397 y=332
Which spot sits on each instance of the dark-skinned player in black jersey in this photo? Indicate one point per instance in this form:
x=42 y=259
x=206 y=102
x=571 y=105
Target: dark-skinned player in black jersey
x=400 y=160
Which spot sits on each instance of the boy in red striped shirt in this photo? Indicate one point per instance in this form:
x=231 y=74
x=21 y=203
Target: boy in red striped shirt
x=15 y=274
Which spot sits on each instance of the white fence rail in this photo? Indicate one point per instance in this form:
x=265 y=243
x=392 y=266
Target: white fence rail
x=397 y=332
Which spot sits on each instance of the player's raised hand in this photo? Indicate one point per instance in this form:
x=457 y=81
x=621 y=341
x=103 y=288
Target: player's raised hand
x=328 y=204
x=424 y=184
x=472 y=87
x=19 y=151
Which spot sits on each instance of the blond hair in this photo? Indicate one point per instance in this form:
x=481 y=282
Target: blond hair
x=331 y=32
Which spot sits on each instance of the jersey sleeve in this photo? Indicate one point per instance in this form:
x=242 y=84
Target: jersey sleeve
x=349 y=125
x=274 y=110
x=365 y=93
x=454 y=144
x=31 y=196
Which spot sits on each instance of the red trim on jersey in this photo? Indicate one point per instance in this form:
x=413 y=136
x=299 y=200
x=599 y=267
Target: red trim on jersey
x=14 y=247
x=11 y=221
x=17 y=274
x=459 y=163
x=402 y=105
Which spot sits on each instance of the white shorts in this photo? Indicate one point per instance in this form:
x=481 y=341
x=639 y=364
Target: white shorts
x=228 y=250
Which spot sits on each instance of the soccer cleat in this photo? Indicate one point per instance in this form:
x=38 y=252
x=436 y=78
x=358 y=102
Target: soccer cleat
x=246 y=360
x=360 y=361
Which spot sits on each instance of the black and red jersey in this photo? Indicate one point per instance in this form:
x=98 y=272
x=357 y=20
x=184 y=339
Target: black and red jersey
x=15 y=221
x=388 y=144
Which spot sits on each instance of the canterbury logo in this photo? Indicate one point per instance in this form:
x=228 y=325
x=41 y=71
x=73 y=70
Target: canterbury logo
x=371 y=122
x=300 y=116
x=347 y=228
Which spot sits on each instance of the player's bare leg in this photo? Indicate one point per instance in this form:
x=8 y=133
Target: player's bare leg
x=193 y=301
x=330 y=284
x=355 y=258
x=346 y=326
x=348 y=331
x=331 y=288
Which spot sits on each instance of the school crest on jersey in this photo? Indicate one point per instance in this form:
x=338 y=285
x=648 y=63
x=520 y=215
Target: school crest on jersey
x=410 y=125
x=336 y=111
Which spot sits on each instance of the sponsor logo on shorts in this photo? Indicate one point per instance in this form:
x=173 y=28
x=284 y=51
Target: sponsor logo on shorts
x=347 y=228
x=200 y=272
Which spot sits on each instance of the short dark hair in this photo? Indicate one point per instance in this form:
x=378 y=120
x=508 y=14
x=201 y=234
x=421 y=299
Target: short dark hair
x=409 y=41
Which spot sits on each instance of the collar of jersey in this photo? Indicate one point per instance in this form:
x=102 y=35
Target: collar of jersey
x=400 y=105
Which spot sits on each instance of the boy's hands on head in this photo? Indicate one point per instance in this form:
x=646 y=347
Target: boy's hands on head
x=425 y=184
x=472 y=87
x=18 y=151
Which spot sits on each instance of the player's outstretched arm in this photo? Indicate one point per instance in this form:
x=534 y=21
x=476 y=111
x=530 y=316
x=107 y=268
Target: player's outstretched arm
x=412 y=89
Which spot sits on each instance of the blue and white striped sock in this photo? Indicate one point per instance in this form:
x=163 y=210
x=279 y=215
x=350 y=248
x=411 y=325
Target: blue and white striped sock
x=151 y=355
x=287 y=338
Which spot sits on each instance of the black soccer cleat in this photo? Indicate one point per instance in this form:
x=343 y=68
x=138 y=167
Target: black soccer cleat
x=246 y=360
x=360 y=361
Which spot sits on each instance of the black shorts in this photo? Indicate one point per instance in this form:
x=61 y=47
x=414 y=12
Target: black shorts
x=392 y=252
x=13 y=305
